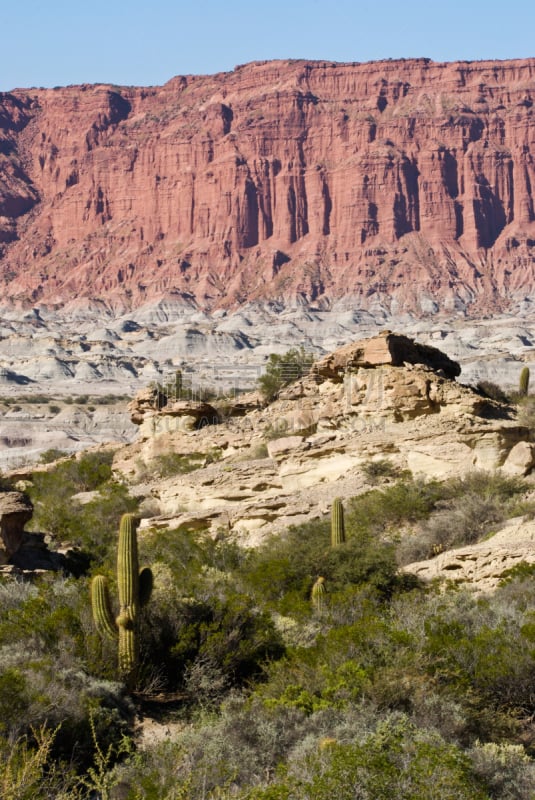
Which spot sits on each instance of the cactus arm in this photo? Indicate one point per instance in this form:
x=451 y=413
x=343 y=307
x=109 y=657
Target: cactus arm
x=338 y=535
x=102 y=614
x=145 y=585
x=127 y=564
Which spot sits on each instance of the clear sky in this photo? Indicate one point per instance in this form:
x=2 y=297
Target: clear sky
x=60 y=42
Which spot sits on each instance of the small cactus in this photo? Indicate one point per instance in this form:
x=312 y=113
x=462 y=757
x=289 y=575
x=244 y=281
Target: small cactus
x=524 y=382
x=338 y=534
x=318 y=596
x=134 y=591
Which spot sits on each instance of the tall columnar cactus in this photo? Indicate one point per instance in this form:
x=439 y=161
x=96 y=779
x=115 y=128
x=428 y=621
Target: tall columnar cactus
x=524 y=382
x=134 y=591
x=318 y=596
x=338 y=534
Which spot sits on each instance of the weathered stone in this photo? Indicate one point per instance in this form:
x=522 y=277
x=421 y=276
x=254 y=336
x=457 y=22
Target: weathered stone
x=481 y=566
x=15 y=511
x=410 y=414
x=386 y=349
x=278 y=448
x=520 y=460
x=148 y=401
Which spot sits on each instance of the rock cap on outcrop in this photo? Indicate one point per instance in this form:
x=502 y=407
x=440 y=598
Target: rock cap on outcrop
x=151 y=402
x=146 y=401
x=387 y=348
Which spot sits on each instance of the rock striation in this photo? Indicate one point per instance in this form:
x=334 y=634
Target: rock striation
x=404 y=183
x=285 y=462
x=386 y=348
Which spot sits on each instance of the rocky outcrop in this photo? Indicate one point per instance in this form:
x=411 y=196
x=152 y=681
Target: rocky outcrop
x=156 y=414
x=146 y=402
x=405 y=184
x=387 y=348
x=15 y=511
x=285 y=463
x=482 y=566
x=22 y=552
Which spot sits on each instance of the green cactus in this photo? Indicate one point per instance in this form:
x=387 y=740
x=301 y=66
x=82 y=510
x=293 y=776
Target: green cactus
x=338 y=534
x=134 y=592
x=524 y=382
x=318 y=595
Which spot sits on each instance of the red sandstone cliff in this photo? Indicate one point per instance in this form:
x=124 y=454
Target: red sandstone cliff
x=396 y=181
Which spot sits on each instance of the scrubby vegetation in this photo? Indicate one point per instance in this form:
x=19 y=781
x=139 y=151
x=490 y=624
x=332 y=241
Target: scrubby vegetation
x=281 y=370
x=386 y=688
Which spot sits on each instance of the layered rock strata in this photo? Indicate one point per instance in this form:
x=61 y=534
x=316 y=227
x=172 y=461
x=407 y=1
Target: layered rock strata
x=402 y=183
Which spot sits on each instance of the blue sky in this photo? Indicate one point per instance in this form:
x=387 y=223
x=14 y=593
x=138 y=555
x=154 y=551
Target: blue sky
x=60 y=42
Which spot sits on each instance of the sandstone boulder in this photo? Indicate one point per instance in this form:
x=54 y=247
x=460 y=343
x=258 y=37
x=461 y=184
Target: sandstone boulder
x=520 y=460
x=147 y=401
x=15 y=511
x=386 y=349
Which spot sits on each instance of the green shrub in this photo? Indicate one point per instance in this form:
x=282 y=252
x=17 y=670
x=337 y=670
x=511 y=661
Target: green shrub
x=380 y=468
x=397 y=761
x=281 y=370
x=167 y=464
x=283 y=570
x=90 y=526
x=493 y=391
x=470 y=508
x=52 y=454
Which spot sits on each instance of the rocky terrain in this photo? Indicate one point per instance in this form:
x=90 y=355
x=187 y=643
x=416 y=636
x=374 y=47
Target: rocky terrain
x=246 y=469
x=260 y=469
x=51 y=357
x=395 y=185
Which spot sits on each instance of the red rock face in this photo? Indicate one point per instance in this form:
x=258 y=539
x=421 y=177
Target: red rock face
x=391 y=181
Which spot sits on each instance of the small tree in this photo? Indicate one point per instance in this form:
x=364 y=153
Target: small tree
x=281 y=370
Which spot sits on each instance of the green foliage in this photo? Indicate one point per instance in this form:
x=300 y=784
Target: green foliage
x=281 y=370
x=282 y=571
x=493 y=391
x=469 y=508
x=48 y=456
x=397 y=760
x=168 y=464
x=381 y=468
x=134 y=592
x=28 y=772
x=385 y=693
x=45 y=649
x=90 y=526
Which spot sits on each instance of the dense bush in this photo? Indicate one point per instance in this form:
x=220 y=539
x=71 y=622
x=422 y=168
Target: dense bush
x=91 y=526
x=393 y=690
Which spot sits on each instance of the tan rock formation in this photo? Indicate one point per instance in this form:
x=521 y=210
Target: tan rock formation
x=387 y=348
x=287 y=462
x=402 y=183
x=15 y=511
x=482 y=566
x=156 y=415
